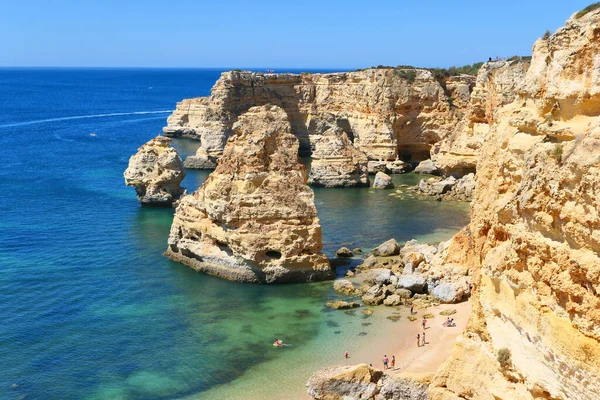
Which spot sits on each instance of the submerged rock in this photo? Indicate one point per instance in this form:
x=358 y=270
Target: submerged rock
x=254 y=218
x=156 y=172
x=337 y=163
x=342 y=305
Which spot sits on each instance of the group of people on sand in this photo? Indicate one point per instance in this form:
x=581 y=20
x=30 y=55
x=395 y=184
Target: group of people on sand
x=449 y=322
x=387 y=364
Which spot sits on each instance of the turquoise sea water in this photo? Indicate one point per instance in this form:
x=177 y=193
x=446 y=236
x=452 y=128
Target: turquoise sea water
x=89 y=307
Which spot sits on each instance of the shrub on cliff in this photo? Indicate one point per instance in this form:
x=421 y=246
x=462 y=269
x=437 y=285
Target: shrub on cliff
x=588 y=9
x=546 y=35
x=504 y=357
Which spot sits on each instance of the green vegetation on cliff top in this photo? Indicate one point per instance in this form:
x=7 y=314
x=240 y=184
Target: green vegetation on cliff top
x=588 y=9
x=444 y=73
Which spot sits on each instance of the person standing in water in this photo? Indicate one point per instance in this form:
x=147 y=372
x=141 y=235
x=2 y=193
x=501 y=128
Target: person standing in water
x=346 y=355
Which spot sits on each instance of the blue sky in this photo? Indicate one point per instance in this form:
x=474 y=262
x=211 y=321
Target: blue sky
x=276 y=34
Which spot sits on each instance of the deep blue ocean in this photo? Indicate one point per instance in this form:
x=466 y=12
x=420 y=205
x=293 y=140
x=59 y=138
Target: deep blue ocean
x=89 y=307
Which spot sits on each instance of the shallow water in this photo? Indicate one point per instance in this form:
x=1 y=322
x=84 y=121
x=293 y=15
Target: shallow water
x=89 y=306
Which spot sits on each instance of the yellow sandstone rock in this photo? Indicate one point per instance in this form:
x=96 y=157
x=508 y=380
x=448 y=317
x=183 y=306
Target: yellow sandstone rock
x=254 y=219
x=386 y=113
x=534 y=237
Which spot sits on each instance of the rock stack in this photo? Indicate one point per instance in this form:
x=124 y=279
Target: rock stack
x=254 y=219
x=156 y=172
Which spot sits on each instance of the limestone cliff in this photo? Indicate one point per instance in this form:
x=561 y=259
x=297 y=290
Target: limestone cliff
x=534 y=236
x=156 y=172
x=386 y=113
x=458 y=152
x=254 y=219
x=337 y=163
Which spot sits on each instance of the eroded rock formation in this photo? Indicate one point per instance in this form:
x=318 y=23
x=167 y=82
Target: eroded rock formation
x=386 y=113
x=364 y=382
x=458 y=152
x=534 y=236
x=337 y=163
x=254 y=219
x=156 y=172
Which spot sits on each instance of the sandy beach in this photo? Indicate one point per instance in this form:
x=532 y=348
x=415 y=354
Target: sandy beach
x=402 y=343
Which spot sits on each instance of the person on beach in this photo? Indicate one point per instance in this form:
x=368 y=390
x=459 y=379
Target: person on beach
x=346 y=355
x=393 y=363
x=412 y=309
x=418 y=340
x=424 y=323
x=385 y=362
x=423 y=338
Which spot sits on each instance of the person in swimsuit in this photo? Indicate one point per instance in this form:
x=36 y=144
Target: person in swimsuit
x=418 y=340
x=385 y=362
x=423 y=338
x=393 y=364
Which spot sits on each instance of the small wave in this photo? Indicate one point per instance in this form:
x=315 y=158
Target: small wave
x=42 y=121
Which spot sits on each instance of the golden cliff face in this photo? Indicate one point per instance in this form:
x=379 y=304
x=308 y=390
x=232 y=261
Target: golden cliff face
x=534 y=236
x=254 y=218
x=458 y=152
x=386 y=113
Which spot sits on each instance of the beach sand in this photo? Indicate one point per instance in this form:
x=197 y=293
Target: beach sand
x=402 y=343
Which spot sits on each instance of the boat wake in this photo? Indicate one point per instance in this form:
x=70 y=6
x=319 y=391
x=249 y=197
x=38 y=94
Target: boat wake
x=42 y=121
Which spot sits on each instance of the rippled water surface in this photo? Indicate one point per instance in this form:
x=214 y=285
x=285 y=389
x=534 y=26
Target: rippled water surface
x=89 y=308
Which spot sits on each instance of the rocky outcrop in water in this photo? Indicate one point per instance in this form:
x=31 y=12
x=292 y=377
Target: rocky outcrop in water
x=534 y=237
x=156 y=173
x=448 y=188
x=382 y=181
x=386 y=113
x=337 y=163
x=254 y=219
